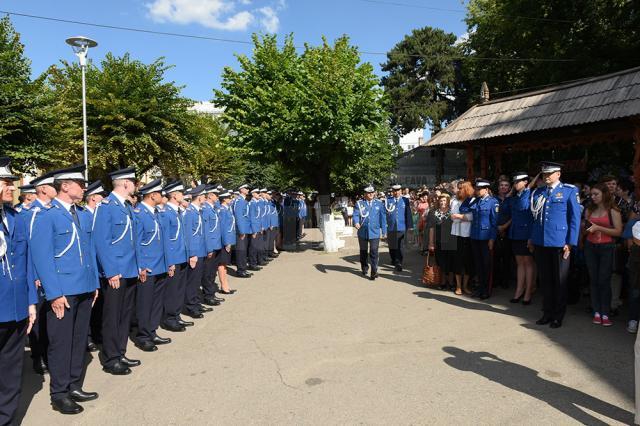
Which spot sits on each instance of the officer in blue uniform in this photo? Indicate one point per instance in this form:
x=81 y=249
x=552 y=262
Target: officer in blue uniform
x=153 y=267
x=255 y=217
x=196 y=246
x=265 y=224
x=94 y=195
x=243 y=226
x=17 y=294
x=213 y=245
x=27 y=196
x=228 y=239
x=274 y=224
x=302 y=215
x=399 y=220
x=64 y=259
x=556 y=227
x=114 y=239
x=484 y=230
x=38 y=338
x=370 y=219
x=175 y=248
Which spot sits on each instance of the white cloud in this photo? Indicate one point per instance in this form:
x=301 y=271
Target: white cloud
x=231 y=15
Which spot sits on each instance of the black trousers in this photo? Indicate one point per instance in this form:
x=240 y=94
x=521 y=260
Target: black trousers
x=482 y=265
x=11 y=357
x=174 y=294
x=273 y=233
x=369 y=254
x=209 y=275
x=395 y=239
x=503 y=262
x=264 y=245
x=38 y=339
x=117 y=308
x=254 y=248
x=192 y=289
x=149 y=304
x=553 y=272
x=242 y=245
x=95 y=326
x=299 y=222
x=68 y=345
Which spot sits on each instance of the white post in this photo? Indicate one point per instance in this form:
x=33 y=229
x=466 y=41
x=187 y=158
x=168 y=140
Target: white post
x=84 y=123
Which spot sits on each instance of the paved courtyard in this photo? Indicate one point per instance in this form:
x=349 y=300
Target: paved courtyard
x=309 y=341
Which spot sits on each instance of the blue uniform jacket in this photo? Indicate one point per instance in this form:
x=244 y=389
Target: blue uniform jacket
x=175 y=244
x=149 y=241
x=255 y=215
x=274 y=220
x=518 y=209
x=227 y=226
x=241 y=213
x=484 y=225
x=265 y=208
x=63 y=254
x=17 y=290
x=194 y=230
x=399 y=216
x=556 y=216
x=114 y=239
x=372 y=219
x=211 y=221
x=33 y=209
x=302 y=212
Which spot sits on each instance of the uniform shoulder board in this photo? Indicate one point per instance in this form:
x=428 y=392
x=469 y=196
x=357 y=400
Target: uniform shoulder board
x=497 y=208
x=136 y=210
x=56 y=206
x=105 y=201
x=568 y=185
x=35 y=209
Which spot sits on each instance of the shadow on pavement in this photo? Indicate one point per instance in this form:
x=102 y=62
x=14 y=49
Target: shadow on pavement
x=527 y=381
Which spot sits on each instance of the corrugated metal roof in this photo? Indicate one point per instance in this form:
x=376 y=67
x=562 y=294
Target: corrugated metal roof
x=590 y=100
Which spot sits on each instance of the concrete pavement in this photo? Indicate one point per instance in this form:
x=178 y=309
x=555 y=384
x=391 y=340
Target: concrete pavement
x=309 y=341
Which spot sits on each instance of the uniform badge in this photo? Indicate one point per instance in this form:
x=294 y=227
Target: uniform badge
x=136 y=210
x=497 y=208
x=559 y=195
x=105 y=201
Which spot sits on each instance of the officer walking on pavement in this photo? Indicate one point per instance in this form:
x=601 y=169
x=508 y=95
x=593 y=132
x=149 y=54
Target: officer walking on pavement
x=175 y=247
x=484 y=230
x=370 y=220
x=65 y=261
x=153 y=267
x=114 y=239
x=243 y=227
x=17 y=294
x=556 y=227
x=399 y=220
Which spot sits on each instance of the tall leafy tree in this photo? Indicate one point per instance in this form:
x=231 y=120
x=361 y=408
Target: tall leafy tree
x=421 y=80
x=315 y=113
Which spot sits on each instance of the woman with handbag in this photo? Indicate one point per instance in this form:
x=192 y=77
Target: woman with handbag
x=461 y=229
x=442 y=242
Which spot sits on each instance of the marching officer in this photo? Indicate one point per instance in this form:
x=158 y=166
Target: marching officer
x=213 y=245
x=38 y=339
x=114 y=239
x=175 y=247
x=556 y=227
x=484 y=230
x=371 y=222
x=64 y=259
x=17 y=294
x=194 y=229
x=399 y=220
x=256 y=230
x=243 y=227
x=153 y=267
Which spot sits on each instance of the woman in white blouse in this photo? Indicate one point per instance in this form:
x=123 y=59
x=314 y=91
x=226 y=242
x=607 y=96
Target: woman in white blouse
x=461 y=228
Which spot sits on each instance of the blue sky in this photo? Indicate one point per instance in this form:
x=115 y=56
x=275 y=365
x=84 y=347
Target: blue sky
x=198 y=64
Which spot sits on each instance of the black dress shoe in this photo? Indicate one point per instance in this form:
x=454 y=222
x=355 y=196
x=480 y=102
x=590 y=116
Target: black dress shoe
x=219 y=299
x=66 y=405
x=243 y=274
x=516 y=299
x=205 y=309
x=161 y=340
x=227 y=292
x=117 y=369
x=40 y=367
x=262 y=263
x=185 y=323
x=365 y=272
x=484 y=296
x=146 y=346
x=543 y=321
x=555 y=324
x=526 y=302
x=398 y=268
x=176 y=328
x=254 y=268
x=79 y=395
x=196 y=315
x=130 y=362
x=373 y=276
x=92 y=347
x=210 y=301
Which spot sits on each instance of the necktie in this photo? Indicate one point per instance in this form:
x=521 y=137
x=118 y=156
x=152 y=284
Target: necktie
x=74 y=214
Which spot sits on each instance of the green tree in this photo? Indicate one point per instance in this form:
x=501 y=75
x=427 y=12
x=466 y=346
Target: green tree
x=421 y=80
x=315 y=113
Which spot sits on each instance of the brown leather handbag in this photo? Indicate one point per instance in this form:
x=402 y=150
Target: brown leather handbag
x=431 y=271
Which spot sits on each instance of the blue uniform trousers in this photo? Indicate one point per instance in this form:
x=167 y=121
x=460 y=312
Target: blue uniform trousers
x=117 y=308
x=271 y=240
x=264 y=245
x=254 y=249
x=192 y=289
x=38 y=339
x=369 y=254
x=68 y=345
x=396 y=240
x=174 y=294
x=553 y=272
x=241 y=248
x=482 y=265
x=149 y=305
x=11 y=358
x=209 y=287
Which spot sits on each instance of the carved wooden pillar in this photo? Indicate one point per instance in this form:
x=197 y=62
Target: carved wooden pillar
x=483 y=161
x=470 y=165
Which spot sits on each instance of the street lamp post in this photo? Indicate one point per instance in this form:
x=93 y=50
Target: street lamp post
x=81 y=46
